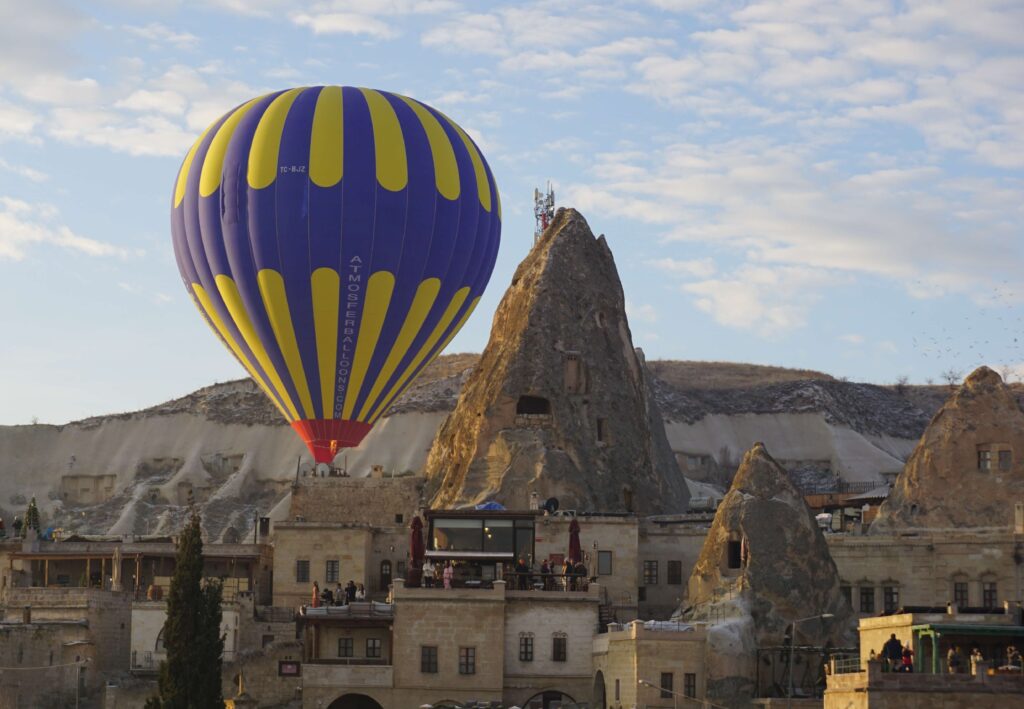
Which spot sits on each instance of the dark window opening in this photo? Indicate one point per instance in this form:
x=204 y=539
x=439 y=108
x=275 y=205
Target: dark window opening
x=559 y=648
x=526 y=648
x=867 y=599
x=988 y=594
x=735 y=554
x=467 y=660
x=345 y=647
x=650 y=573
x=600 y=429
x=675 y=572
x=890 y=598
x=302 y=571
x=666 y=685
x=960 y=593
x=690 y=684
x=533 y=405
x=1005 y=460
x=385 y=575
x=616 y=690
x=332 y=572
x=604 y=563
x=373 y=647
x=428 y=659
x=985 y=460
x=399 y=519
x=641 y=594
x=847 y=593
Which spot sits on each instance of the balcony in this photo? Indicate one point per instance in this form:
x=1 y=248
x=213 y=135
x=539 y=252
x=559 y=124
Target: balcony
x=333 y=673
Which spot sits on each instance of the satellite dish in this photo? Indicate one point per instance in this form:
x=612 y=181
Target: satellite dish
x=323 y=470
x=551 y=505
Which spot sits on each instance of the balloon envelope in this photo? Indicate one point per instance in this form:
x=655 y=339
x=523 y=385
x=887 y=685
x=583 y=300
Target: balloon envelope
x=335 y=239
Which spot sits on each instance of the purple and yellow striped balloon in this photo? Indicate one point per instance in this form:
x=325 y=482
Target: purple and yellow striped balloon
x=335 y=239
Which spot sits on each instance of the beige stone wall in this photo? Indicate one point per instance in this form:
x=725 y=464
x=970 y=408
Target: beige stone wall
x=449 y=619
x=327 y=637
x=874 y=689
x=663 y=543
x=317 y=543
x=41 y=658
x=372 y=501
x=924 y=567
x=87 y=489
x=542 y=615
x=619 y=535
x=147 y=622
x=625 y=656
x=260 y=669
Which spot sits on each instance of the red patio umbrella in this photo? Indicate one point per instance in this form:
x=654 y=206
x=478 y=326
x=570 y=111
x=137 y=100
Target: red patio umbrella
x=575 y=554
x=416 y=552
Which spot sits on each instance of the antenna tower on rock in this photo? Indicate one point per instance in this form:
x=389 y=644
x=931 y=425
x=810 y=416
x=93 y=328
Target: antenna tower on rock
x=543 y=210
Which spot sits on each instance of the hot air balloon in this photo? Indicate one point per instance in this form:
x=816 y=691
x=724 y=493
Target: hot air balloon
x=335 y=239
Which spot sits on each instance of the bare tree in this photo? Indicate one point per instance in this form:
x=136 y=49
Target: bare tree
x=952 y=376
x=901 y=384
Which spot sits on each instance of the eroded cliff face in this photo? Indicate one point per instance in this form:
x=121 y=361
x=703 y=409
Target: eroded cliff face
x=968 y=468
x=560 y=403
x=764 y=564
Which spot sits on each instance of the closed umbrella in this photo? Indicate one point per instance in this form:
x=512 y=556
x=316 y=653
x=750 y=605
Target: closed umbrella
x=575 y=554
x=416 y=552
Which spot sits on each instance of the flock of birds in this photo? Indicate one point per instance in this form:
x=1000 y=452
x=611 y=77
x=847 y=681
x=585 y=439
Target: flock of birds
x=992 y=334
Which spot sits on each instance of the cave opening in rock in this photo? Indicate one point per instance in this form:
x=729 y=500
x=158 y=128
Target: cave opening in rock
x=533 y=405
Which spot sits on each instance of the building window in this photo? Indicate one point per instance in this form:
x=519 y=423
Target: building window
x=984 y=460
x=675 y=573
x=467 y=660
x=890 y=598
x=600 y=429
x=650 y=573
x=373 y=647
x=604 y=563
x=559 y=648
x=332 y=572
x=847 y=593
x=867 y=599
x=345 y=647
x=1005 y=460
x=960 y=594
x=399 y=518
x=526 y=648
x=988 y=594
x=735 y=554
x=400 y=569
x=690 y=684
x=302 y=571
x=641 y=594
x=617 y=690
x=385 y=575
x=666 y=685
x=428 y=659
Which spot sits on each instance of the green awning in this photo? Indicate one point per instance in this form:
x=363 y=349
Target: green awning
x=958 y=629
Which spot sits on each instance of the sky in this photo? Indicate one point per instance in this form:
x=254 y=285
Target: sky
x=834 y=185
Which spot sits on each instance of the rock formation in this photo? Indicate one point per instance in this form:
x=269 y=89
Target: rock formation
x=764 y=564
x=560 y=403
x=968 y=468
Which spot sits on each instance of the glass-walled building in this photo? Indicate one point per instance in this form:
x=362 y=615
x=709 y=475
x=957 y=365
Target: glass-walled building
x=478 y=542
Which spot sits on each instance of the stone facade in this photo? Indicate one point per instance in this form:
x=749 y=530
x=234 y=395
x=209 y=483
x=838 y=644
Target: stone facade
x=314 y=544
x=374 y=501
x=628 y=654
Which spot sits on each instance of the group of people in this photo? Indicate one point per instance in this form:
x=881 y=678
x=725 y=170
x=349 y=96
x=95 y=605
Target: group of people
x=568 y=576
x=434 y=575
x=340 y=596
x=896 y=657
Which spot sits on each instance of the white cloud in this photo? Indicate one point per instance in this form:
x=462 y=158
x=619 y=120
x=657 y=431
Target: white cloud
x=29 y=173
x=23 y=225
x=695 y=268
x=169 y=102
x=643 y=312
x=16 y=121
x=157 y=32
x=345 y=23
x=769 y=301
x=852 y=339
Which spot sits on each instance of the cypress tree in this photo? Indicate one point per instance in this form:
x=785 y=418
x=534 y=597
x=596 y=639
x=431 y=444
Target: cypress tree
x=190 y=677
x=31 y=519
